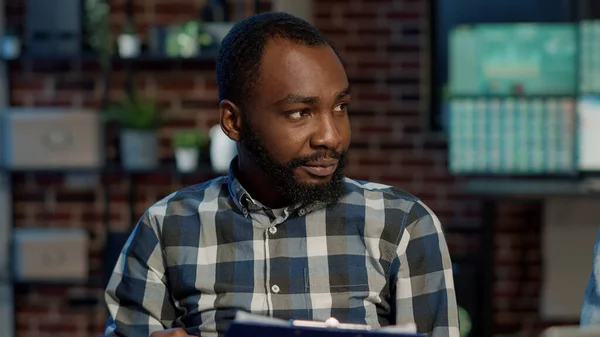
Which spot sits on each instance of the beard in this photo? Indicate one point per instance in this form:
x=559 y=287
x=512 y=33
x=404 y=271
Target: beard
x=284 y=179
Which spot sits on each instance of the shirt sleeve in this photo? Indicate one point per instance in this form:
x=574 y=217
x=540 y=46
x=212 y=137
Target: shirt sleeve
x=590 y=311
x=424 y=291
x=137 y=296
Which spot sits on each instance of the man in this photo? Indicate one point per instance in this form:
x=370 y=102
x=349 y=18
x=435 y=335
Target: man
x=285 y=234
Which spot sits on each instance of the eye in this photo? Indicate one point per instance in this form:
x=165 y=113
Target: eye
x=343 y=108
x=298 y=114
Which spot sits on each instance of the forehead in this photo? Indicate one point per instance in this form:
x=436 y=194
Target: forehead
x=288 y=67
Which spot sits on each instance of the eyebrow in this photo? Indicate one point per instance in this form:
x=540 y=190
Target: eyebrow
x=296 y=98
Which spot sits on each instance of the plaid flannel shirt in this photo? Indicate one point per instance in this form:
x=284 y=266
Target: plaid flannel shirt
x=378 y=257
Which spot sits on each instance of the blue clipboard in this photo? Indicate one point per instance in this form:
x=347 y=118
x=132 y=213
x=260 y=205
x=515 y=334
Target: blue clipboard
x=246 y=329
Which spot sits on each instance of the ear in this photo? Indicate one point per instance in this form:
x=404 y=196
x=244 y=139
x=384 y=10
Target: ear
x=231 y=119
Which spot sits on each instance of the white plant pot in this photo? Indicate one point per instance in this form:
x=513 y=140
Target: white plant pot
x=222 y=150
x=187 y=159
x=129 y=45
x=11 y=47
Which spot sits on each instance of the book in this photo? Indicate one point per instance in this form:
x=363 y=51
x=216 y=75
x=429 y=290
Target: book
x=247 y=324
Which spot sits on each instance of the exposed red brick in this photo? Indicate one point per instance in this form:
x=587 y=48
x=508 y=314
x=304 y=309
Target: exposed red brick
x=410 y=65
x=387 y=80
x=177 y=84
x=98 y=217
x=397 y=179
x=153 y=179
x=76 y=197
x=31 y=309
x=401 y=15
x=53 y=102
x=53 y=216
x=368 y=46
x=49 y=179
x=19 y=83
x=375 y=161
x=59 y=327
x=119 y=8
x=180 y=123
x=176 y=7
x=373 y=65
x=374 y=31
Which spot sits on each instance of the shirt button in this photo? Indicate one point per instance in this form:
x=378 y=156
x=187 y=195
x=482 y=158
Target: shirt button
x=245 y=211
x=275 y=288
x=302 y=212
x=272 y=230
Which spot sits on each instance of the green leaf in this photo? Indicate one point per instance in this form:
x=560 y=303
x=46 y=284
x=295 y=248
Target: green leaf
x=135 y=113
x=189 y=139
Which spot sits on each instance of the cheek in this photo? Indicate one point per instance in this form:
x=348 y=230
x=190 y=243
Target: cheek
x=346 y=132
x=285 y=145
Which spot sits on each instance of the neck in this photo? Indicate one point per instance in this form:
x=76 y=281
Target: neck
x=257 y=183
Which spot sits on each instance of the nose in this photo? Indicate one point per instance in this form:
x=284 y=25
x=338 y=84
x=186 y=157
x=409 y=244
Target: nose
x=327 y=135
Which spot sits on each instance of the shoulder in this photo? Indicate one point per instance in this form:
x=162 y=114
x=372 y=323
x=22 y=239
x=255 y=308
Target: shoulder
x=388 y=191
x=390 y=198
x=389 y=194
x=188 y=200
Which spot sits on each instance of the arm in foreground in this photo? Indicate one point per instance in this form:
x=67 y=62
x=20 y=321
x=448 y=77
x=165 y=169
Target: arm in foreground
x=137 y=297
x=590 y=311
x=425 y=291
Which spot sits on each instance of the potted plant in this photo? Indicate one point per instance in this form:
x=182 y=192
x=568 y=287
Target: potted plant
x=187 y=144
x=129 y=42
x=139 y=120
x=188 y=39
x=97 y=30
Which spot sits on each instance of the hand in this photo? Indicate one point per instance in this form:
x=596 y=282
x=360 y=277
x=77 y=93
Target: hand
x=176 y=332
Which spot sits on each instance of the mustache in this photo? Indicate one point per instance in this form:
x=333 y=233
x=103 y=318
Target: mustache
x=301 y=161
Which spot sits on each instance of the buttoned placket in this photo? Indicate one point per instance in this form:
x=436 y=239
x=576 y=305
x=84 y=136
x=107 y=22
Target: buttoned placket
x=270 y=287
x=271 y=232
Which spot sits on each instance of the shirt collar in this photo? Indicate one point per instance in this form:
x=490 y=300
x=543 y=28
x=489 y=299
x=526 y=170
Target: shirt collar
x=236 y=190
x=244 y=201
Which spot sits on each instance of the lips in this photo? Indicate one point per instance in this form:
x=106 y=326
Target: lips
x=321 y=168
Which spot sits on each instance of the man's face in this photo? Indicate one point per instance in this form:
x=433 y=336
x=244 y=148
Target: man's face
x=296 y=125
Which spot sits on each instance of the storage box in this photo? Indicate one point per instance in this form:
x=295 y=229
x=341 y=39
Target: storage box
x=49 y=138
x=42 y=254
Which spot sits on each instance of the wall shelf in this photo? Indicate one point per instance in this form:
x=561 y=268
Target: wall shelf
x=206 y=57
x=203 y=169
x=532 y=189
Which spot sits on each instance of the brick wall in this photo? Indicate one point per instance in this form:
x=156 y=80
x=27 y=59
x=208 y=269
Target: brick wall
x=385 y=46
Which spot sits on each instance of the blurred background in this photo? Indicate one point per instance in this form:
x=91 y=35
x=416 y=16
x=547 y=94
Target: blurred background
x=486 y=110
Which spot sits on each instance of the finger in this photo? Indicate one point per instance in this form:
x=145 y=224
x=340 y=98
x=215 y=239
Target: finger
x=175 y=332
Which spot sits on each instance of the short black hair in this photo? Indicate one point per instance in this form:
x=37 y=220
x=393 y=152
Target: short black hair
x=241 y=51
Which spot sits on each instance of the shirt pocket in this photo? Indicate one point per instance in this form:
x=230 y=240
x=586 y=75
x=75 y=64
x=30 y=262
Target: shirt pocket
x=336 y=279
x=350 y=293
